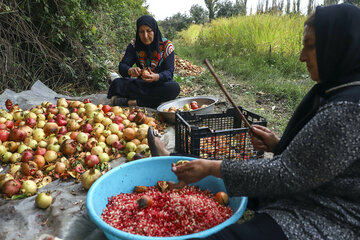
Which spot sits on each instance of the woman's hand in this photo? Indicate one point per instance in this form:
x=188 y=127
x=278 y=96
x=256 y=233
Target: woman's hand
x=134 y=71
x=263 y=139
x=150 y=76
x=196 y=170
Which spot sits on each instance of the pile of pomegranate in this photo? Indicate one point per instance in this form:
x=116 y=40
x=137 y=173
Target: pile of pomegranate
x=72 y=139
x=185 y=68
x=222 y=147
x=158 y=212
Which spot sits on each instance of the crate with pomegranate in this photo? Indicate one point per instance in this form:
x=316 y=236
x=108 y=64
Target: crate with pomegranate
x=216 y=136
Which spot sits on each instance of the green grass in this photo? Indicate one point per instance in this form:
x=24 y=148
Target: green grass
x=240 y=46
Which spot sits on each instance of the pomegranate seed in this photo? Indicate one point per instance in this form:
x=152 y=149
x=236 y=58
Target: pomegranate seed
x=175 y=212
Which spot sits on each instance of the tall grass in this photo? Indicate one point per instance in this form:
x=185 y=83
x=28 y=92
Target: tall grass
x=262 y=50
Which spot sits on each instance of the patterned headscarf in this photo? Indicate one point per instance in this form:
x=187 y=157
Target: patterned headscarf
x=148 y=52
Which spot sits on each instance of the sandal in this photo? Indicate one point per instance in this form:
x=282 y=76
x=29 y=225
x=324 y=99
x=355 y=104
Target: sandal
x=119 y=101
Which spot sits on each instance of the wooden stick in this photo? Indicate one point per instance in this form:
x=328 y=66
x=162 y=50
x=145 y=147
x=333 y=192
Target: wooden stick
x=227 y=94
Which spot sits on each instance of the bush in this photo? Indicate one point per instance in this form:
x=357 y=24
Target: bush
x=64 y=43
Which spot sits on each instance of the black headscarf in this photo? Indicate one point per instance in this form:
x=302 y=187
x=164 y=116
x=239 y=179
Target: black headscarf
x=154 y=46
x=337 y=33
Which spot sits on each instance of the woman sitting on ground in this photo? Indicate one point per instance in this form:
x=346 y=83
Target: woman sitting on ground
x=310 y=189
x=151 y=52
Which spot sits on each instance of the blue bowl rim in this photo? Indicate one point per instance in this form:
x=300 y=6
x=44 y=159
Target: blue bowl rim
x=107 y=229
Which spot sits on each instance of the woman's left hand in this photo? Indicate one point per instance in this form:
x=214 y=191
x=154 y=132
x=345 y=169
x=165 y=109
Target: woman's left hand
x=263 y=139
x=151 y=77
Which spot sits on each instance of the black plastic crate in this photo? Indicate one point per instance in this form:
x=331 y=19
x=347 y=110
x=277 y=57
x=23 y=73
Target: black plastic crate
x=216 y=136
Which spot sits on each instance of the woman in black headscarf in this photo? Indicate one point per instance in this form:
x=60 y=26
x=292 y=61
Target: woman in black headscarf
x=151 y=81
x=310 y=189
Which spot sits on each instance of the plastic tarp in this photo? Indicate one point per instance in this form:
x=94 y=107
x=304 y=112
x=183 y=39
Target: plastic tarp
x=67 y=217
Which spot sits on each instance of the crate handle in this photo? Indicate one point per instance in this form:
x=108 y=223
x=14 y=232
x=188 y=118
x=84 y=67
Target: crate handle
x=182 y=119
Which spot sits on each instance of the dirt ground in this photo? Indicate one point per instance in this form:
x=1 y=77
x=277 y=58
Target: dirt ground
x=276 y=112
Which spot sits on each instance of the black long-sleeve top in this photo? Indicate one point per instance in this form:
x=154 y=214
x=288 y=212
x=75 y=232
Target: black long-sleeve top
x=165 y=70
x=315 y=182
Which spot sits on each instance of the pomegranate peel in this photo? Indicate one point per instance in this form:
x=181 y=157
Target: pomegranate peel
x=144 y=202
x=140 y=189
x=163 y=186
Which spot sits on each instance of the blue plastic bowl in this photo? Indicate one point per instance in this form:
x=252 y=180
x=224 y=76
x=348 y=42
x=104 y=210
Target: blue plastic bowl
x=147 y=172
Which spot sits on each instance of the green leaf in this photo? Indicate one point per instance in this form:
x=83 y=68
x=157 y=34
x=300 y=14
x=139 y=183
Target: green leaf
x=104 y=165
x=93 y=29
x=20 y=196
x=78 y=148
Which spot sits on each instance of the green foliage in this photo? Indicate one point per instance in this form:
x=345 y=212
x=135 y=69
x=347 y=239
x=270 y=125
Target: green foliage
x=211 y=6
x=189 y=80
x=79 y=38
x=198 y=14
x=171 y=25
x=102 y=27
x=262 y=50
x=330 y=2
x=228 y=9
x=354 y=2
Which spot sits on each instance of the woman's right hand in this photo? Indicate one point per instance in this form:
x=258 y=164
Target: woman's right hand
x=134 y=71
x=196 y=170
x=263 y=139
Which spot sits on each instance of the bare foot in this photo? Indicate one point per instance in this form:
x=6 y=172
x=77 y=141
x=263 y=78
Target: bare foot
x=157 y=147
x=132 y=103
